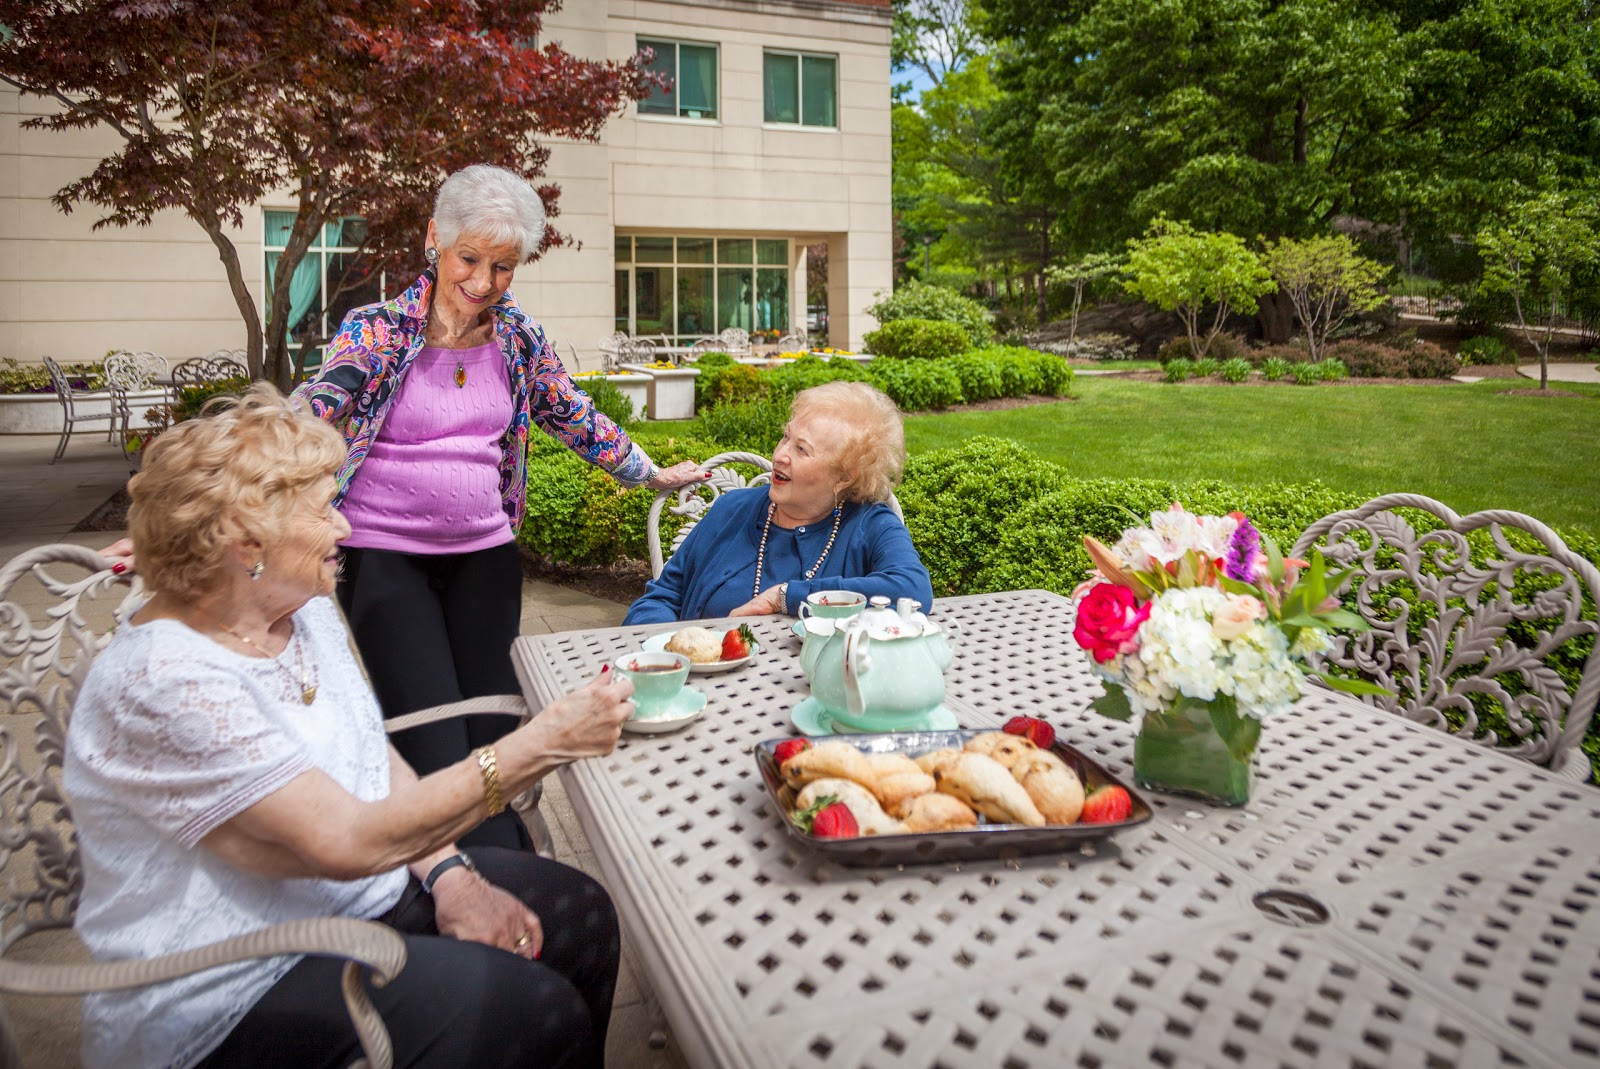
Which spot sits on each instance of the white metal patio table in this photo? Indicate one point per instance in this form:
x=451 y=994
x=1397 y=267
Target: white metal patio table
x=1391 y=896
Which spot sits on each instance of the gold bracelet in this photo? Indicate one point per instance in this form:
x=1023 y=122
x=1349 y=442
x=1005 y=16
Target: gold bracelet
x=489 y=769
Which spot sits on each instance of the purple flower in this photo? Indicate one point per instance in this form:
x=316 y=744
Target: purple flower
x=1244 y=552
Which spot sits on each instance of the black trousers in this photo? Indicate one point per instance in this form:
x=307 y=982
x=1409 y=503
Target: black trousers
x=434 y=629
x=457 y=1005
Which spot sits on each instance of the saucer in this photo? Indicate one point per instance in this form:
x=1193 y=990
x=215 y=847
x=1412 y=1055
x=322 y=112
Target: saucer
x=680 y=712
x=658 y=643
x=811 y=718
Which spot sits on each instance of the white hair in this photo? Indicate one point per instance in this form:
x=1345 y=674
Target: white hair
x=491 y=203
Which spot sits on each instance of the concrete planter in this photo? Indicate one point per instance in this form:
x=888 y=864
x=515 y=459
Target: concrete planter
x=635 y=387
x=40 y=413
x=671 y=390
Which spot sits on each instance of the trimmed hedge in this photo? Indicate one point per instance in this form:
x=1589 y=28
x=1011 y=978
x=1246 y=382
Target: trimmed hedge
x=918 y=300
x=917 y=339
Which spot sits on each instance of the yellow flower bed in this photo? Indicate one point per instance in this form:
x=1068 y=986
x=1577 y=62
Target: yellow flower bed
x=598 y=374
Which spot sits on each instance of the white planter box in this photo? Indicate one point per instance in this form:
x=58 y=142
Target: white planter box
x=671 y=390
x=635 y=387
x=40 y=413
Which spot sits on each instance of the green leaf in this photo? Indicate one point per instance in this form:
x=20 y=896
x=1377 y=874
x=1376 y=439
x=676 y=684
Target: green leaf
x=1113 y=704
x=1352 y=686
x=1343 y=619
x=1274 y=558
x=1235 y=586
x=1239 y=733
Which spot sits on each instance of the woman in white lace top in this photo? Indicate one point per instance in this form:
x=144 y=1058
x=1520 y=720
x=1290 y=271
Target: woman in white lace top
x=228 y=770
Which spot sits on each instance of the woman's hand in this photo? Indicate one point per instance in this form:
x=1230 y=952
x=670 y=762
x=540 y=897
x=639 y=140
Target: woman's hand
x=588 y=722
x=763 y=604
x=678 y=475
x=120 y=554
x=470 y=908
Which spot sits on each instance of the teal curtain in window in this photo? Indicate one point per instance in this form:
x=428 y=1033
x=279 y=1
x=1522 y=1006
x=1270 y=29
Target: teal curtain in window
x=819 y=91
x=697 y=81
x=304 y=287
x=733 y=298
x=781 y=81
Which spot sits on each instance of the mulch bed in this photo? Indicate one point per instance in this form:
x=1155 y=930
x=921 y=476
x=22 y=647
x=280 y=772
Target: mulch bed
x=622 y=582
x=111 y=515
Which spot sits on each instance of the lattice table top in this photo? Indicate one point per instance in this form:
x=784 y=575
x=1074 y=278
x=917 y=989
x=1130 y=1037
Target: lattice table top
x=1390 y=897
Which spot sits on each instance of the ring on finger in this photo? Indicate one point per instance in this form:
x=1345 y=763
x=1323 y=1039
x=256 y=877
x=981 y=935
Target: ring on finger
x=523 y=940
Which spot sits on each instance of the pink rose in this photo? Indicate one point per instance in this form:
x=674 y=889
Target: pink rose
x=1109 y=616
x=1236 y=615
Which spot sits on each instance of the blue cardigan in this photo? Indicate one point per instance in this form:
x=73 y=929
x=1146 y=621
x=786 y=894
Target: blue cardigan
x=713 y=572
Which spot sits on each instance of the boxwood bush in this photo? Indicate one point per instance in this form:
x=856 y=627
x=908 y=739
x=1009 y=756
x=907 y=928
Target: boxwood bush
x=917 y=300
x=917 y=339
x=917 y=385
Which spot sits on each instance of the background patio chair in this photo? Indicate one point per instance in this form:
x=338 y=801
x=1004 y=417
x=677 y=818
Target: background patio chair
x=693 y=504
x=52 y=634
x=112 y=417
x=213 y=367
x=704 y=346
x=637 y=351
x=791 y=343
x=1489 y=628
x=736 y=340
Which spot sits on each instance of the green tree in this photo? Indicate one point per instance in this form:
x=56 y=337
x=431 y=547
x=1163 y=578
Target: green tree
x=1537 y=254
x=1180 y=269
x=1091 y=268
x=1327 y=280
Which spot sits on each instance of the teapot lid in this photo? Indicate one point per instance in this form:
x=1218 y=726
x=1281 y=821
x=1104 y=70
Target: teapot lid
x=882 y=623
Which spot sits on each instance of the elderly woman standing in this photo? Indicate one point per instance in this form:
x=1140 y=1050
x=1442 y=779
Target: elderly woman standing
x=821 y=525
x=436 y=392
x=228 y=770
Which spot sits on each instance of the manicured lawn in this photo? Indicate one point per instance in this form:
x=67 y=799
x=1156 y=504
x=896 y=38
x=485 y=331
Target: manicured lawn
x=1465 y=444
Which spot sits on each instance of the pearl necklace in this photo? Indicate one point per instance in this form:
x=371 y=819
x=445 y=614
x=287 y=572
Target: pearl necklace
x=308 y=684
x=761 y=551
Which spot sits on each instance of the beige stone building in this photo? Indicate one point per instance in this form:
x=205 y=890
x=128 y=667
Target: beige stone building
x=693 y=211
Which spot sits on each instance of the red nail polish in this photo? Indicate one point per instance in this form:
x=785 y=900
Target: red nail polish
x=536 y=954
x=606 y=669
x=118 y=568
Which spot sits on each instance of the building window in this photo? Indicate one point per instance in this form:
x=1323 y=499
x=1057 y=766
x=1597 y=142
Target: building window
x=691 y=72
x=686 y=288
x=801 y=88
x=329 y=281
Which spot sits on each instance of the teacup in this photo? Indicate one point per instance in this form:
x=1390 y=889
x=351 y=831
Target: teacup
x=833 y=604
x=657 y=679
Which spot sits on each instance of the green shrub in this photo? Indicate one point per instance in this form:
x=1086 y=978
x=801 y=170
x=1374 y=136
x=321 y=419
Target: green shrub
x=1055 y=375
x=1428 y=361
x=917 y=339
x=1178 y=370
x=792 y=376
x=753 y=426
x=1175 y=349
x=1486 y=349
x=1369 y=360
x=1331 y=370
x=979 y=374
x=1306 y=375
x=1276 y=367
x=1237 y=369
x=14 y=378
x=1205 y=367
x=915 y=300
x=726 y=382
x=1289 y=354
x=608 y=399
x=916 y=385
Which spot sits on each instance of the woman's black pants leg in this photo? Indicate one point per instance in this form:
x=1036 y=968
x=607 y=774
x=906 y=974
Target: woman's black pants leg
x=434 y=629
x=457 y=1005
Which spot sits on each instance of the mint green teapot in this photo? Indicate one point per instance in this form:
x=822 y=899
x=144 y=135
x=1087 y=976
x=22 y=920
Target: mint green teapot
x=881 y=669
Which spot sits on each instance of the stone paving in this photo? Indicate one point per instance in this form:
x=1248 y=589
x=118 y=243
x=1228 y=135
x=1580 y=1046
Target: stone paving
x=40 y=503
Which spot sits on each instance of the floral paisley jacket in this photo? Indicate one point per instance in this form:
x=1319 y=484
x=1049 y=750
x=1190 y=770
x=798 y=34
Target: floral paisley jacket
x=366 y=365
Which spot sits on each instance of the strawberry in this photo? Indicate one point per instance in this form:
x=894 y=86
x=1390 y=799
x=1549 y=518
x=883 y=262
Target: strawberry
x=1106 y=805
x=1033 y=729
x=788 y=748
x=829 y=818
x=738 y=644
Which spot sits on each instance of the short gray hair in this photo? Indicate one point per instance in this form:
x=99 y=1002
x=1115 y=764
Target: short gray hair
x=492 y=203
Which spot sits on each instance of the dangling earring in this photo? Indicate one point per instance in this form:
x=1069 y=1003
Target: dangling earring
x=432 y=255
x=256 y=569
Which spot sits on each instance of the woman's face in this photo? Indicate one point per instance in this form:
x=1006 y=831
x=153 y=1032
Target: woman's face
x=805 y=477
x=304 y=564
x=473 y=274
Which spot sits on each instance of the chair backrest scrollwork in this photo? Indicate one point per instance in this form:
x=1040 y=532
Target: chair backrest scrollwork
x=127 y=371
x=695 y=499
x=736 y=339
x=1471 y=617
x=222 y=364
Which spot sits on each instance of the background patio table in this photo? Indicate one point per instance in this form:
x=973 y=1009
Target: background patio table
x=1454 y=916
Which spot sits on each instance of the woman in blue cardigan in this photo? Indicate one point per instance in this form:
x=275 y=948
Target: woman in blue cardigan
x=821 y=525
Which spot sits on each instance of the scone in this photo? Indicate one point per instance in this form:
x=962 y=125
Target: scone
x=897 y=779
x=985 y=785
x=1056 y=792
x=1004 y=748
x=833 y=758
x=699 y=644
x=870 y=817
x=936 y=812
x=932 y=761
x=1038 y=759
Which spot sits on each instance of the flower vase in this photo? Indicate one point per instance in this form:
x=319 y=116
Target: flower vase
x=1202 y=749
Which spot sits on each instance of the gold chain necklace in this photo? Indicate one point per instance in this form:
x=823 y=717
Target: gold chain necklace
x=308 y=684
x=761 y=551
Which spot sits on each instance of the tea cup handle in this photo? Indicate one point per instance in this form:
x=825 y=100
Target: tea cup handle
x=805 y=610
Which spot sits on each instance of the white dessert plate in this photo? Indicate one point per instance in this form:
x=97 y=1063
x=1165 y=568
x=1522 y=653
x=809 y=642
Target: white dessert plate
x=658 y=643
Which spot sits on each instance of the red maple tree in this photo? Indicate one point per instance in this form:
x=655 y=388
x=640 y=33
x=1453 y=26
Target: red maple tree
x=350 y=107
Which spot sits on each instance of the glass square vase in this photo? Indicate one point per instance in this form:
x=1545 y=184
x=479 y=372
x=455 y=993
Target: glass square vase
x=1181 y=750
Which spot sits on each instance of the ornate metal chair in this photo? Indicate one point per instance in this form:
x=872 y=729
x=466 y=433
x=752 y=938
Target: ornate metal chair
x=693 y=504
x=1447 y=628
x=58 y=607
x=69 y=397
x=199 y=370
x=736 y=340
x=704 y=346
x=792 y=343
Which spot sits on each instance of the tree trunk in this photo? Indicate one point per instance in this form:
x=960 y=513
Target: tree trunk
x=1275 y=314
x=1044 y=265
x=241 y=293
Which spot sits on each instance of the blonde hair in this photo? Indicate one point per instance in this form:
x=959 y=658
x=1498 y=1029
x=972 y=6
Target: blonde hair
x=235 y=473
x=870 y=451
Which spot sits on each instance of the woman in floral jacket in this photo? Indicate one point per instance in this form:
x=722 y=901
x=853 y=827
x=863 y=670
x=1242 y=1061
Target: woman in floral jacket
x=436 y=392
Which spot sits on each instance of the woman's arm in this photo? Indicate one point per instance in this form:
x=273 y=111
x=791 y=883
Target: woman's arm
x=312 y=827
x=346 y=367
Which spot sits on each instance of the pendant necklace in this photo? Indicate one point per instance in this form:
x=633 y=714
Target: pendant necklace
x=761 y=551
x=461 y=374
x=308 y=684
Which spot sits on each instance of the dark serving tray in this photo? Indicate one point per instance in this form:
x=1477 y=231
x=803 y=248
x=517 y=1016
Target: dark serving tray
x=985 y=842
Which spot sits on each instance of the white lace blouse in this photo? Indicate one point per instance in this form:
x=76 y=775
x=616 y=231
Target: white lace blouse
x=172 y=736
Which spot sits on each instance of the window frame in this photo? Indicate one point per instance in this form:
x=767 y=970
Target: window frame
x=642 y=41
x=715 y=266
x=324 y=253
x=799 y=56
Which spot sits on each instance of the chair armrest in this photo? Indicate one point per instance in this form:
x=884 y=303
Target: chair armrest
x=502 y=704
